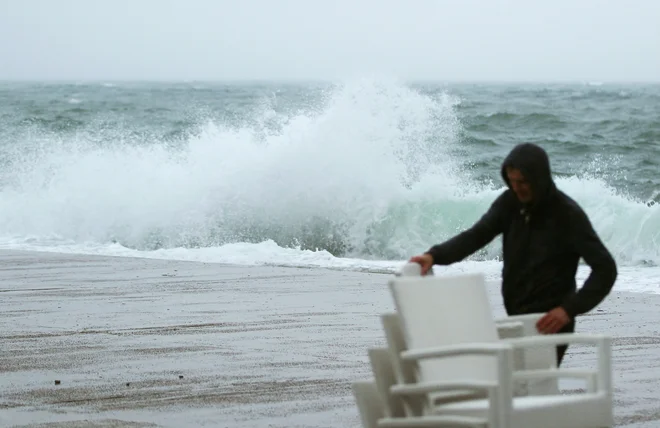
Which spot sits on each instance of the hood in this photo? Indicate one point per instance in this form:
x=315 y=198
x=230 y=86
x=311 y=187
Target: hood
x=534 y=164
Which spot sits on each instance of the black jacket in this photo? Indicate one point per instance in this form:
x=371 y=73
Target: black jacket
x=542 y=243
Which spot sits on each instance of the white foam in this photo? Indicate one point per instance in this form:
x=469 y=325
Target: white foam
x=631 y=278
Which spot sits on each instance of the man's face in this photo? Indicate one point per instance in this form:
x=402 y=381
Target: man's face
x=520 y=185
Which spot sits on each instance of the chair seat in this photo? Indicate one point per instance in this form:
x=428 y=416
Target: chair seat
x=585 y=410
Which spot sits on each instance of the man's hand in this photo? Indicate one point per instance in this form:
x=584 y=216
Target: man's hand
x=425 y=261
x=553 y=321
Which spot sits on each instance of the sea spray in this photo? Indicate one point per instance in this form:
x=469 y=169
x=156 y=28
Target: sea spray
x=319 y=180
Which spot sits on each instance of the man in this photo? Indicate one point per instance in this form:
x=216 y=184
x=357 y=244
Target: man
x=544 y=235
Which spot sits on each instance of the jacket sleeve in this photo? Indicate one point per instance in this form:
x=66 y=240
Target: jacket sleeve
x=473 y=239
x=588 y=245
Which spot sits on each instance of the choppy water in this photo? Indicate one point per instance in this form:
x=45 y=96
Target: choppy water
x=358 y=174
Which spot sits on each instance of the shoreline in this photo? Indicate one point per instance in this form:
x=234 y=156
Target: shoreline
x=388 y=267
x=150 y=342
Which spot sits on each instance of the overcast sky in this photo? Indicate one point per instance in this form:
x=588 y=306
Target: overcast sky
x=593 y=40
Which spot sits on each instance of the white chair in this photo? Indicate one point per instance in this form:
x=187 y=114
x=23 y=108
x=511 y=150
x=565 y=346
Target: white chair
x=452 y=337
x=537 y=358
x=378 y=408
x=405 y=371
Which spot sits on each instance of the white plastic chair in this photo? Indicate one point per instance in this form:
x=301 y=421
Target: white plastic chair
x=452 y=336
x=405 y=371
x=538 y=358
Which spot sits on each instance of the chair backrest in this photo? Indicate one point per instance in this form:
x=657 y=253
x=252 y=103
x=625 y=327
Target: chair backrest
x=447 y=310
x=396 y=342
x=383 y=371
x=369 y=403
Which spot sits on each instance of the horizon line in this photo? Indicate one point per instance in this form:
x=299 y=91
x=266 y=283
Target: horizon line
x=323 y=80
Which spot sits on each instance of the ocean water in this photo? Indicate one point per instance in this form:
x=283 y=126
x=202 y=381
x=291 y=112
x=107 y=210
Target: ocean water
x=359 y=174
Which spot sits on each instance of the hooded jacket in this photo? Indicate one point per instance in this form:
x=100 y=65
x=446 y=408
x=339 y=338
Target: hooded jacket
x=542 y=243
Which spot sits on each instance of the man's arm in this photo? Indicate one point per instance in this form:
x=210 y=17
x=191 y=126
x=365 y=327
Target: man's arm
x=473 y=239
x=603 y=267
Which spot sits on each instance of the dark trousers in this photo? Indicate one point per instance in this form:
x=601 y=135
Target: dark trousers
x=561 y=350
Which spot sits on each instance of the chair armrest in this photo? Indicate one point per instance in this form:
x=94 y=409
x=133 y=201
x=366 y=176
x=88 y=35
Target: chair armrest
x=558 y=339
x=485 y=348
x=510 y=329
x=589 y=376
x=520 y=318
x=427 y=387
x=554 y=373
x=509 y=324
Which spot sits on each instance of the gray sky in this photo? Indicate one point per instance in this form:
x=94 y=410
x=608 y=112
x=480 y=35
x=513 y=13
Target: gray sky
x=593 y=40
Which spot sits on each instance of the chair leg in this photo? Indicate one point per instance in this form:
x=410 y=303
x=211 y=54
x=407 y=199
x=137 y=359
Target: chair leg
x=370 y=406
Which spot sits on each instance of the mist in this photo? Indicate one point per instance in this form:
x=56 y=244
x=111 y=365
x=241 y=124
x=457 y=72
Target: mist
x=468 y=40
